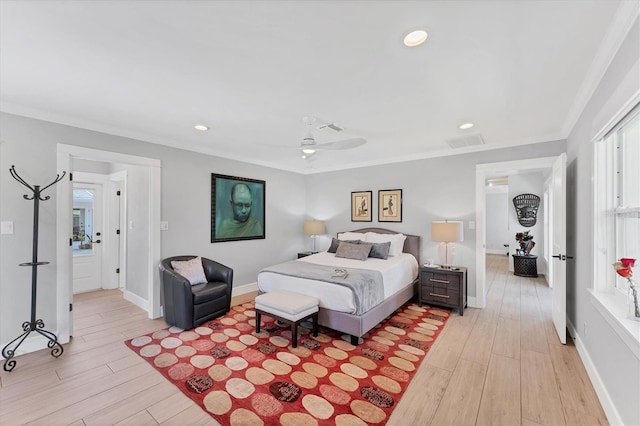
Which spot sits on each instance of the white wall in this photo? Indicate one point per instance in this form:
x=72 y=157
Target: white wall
x=497 y=223
x=186 y=204
x=527 y=183
x=616 y=365
x=433 y=189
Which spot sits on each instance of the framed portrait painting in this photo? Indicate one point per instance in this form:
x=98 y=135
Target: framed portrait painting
x=390 y=205
x=237 y=208
x=361 y=206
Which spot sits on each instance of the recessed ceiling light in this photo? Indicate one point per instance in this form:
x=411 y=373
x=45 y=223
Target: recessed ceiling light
x=415 y=38
x=201 y=127
x=465 y=126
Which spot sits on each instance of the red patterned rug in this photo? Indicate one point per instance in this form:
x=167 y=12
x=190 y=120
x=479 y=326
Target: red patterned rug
x=243 y=377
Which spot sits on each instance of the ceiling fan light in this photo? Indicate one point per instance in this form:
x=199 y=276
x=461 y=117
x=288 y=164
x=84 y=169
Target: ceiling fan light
x=308 y=150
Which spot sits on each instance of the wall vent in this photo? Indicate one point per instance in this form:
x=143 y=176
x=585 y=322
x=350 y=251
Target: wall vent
x=465 y=141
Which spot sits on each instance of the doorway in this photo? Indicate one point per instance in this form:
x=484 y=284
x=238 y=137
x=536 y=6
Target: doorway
x=146 y=203
x=556 y=165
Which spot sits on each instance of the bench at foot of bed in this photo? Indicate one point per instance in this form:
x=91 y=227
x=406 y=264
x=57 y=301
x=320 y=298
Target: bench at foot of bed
x=289 y=308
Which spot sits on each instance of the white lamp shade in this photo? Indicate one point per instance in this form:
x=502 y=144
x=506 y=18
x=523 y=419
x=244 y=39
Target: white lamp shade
x=314 y=227
x=447 y=231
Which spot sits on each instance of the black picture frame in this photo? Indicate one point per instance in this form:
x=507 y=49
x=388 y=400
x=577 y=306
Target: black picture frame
x=226 y=221
x=390 y=205
x=361 y=208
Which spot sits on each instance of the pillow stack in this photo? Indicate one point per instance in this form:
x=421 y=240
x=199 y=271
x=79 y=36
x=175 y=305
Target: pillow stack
x=353 y=245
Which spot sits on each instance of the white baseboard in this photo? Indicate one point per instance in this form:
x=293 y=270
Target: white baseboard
x=35 y=342
x=243 y=289
x=472 y=302
x=603 y=395
x=493 y=251
x=136 y=300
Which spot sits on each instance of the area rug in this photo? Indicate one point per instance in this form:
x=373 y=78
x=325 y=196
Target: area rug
x=246 y=378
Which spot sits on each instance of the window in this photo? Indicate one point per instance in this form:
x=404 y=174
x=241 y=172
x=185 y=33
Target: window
x=617 y=200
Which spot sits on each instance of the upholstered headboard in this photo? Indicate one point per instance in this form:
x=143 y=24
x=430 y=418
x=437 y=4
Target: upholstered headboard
x=411 y=243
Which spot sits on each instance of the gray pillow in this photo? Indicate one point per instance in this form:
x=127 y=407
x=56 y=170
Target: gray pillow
x=336 y=242
x=353 y=251
x=380 y=250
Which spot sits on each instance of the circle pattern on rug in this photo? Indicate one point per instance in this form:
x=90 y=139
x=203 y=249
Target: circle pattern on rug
x=243 y=377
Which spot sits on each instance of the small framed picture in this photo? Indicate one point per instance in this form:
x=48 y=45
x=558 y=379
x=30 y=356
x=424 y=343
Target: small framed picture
x=390 y=205
x=361 y=206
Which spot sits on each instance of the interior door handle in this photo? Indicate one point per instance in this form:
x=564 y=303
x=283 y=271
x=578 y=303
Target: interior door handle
x=558 y=256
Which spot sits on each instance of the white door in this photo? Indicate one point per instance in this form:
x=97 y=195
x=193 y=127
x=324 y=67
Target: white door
x=87 y=237
x=559 y=244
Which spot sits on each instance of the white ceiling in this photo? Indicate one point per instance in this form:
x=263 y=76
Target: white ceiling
x=250 y=70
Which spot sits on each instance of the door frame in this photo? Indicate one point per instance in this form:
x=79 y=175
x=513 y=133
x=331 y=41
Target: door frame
x=64 y=211
x=483 y=171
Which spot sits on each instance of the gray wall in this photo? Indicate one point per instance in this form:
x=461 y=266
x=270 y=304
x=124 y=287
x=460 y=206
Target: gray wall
x=185 y=203
x=433 y=189
x=613 y=360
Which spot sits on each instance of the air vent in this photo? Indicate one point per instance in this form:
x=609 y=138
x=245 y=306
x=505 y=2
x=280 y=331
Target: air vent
x=465 y=141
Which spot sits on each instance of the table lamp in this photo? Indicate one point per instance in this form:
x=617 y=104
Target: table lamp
x=446 y=232
x=314 y=228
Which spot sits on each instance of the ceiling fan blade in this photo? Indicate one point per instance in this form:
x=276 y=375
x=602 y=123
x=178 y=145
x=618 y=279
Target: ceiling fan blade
x=342 y=144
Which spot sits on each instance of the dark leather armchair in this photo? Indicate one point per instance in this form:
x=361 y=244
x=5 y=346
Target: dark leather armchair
x=188 y=306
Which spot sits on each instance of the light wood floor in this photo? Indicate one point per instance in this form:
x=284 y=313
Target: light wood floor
x=499 y=365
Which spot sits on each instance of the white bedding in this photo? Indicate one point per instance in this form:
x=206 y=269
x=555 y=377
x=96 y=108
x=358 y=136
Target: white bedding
x=397 y=272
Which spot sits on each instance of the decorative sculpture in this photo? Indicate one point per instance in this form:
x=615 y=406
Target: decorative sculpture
x=526 y=243
x=526 y=208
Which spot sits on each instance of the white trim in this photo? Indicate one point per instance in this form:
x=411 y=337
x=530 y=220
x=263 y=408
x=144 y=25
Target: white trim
x=136 y=300
x=244 y=289
x=122 y=177
x=107 y=156
x=472 y=302
x=154 y=243
x=496 y=251
x=64 y=251
x=603 y=395
x=619 y=115
x=35 y=342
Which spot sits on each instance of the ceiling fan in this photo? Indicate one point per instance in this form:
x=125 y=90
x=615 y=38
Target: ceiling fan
x=309 y=146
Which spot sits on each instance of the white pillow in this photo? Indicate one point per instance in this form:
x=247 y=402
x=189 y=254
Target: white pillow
x=351 y=236
x=397 y=241
x=190 y=269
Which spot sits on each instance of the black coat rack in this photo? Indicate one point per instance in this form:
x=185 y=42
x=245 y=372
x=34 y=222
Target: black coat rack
x=36 y=325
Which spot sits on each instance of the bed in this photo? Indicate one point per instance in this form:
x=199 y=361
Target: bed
x=336 y=310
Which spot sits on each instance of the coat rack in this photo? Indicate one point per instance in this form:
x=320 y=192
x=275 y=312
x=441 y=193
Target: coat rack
x=36 y=325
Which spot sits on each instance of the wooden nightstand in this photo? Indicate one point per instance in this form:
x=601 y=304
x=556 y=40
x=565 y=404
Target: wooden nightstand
x=305 y=254
x=444 y=287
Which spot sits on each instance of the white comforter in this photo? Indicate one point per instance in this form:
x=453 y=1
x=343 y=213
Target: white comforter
x=397 y=272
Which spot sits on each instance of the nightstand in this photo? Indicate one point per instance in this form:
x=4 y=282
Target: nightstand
x=444 y=287
x=305 y=254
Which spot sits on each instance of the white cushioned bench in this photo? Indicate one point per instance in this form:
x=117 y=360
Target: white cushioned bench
x=290 y=308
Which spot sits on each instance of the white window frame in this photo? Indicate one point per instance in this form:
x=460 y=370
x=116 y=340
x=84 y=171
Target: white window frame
x=606 y=298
